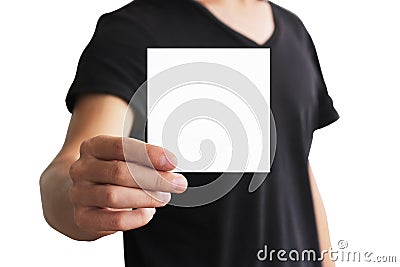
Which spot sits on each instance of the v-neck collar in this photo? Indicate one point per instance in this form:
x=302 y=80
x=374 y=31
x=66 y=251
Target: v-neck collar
x=229 y=29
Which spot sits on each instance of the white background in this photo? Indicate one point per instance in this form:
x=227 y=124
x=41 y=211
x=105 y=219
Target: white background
x=355 y=160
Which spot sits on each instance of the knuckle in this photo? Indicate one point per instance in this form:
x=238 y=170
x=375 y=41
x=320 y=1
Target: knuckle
x=75 y=170
x=118 y=146
x=118 y=222
x=111 y=197
x=118 y=170
x=85 y=145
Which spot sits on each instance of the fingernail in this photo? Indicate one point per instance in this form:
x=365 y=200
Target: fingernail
x=163 y=197
x=179 y=184
x=163 y=161
x=152 y=211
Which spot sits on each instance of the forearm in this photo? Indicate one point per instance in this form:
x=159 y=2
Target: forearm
x=94 y=114
x=57 y=207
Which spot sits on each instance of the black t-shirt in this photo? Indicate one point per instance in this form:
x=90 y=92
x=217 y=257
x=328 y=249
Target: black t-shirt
x=231 y=230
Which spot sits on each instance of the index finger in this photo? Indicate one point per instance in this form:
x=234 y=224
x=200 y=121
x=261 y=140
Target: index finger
x=131 y=150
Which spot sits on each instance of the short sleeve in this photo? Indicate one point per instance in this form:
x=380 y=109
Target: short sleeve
x=114 y=61
x=325 y=112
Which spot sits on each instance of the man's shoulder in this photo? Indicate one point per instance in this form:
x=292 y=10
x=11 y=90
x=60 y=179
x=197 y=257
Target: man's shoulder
x=139 y=16
x=287 y=17
x=145 y=9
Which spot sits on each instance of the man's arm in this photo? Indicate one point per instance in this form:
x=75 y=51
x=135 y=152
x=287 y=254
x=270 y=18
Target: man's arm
x=93 y=115
x=321 y=220
x=92 y=189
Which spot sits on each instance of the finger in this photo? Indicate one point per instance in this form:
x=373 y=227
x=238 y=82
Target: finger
x=132 y=175
x=110 y=220
x=118 y=197
x=132 y=150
